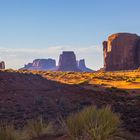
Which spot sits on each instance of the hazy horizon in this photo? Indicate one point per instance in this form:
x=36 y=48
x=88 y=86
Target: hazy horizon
x=31 y=29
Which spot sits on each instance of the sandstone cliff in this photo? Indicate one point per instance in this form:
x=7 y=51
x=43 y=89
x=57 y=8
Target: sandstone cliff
x=122 y=52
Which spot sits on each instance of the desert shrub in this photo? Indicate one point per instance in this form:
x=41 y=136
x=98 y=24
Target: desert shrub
x=115 y=89
x=39 y=100
x=93 y=124
x=83 y=82
x=131 y=80
x=36 y=128
x=9 y=70
x=8 y=132
x=137 y=70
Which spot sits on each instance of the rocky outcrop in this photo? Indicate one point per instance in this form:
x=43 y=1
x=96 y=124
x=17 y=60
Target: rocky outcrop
x=82 y=66
x=67 y=62
x=41 y=64
x=2 y=65
x=122 y=52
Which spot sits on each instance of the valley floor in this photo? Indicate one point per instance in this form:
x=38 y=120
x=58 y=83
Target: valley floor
x=25 y=95
x=126 y=80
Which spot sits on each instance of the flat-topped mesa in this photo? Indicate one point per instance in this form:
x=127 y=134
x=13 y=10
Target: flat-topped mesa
x=44 y=63
x=2 y=65
x=41 y=64
x=82 y=66
x=122 y=52
x=67 y=62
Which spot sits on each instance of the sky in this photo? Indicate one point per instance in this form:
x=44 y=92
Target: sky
x=31 y=29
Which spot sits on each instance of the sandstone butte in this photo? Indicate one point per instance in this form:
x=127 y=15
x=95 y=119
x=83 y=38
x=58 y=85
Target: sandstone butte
x=122 y=52
x=67 y=62
x=2 y=65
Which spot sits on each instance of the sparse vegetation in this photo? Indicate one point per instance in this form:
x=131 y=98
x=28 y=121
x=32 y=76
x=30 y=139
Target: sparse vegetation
x=120 y=79
x=100 y=88
x=131 y=80
x=116 y=90
x=37 y=128
x=8 y=132
x=39 y=100
x=33 y=129
x=93 y=124
x=89 y=124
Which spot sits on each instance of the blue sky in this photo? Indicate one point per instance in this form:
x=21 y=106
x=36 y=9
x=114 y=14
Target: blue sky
x=32 y=29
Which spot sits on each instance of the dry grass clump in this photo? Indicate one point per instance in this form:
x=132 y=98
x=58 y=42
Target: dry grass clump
x=8 y=132
x=93 y=124
x=88 y=124
x=37 y=128
x=33 y=129
x=116 y=90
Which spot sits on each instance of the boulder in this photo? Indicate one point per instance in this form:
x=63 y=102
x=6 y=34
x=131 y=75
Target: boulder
x=2 y=65
x=122 y=52
x=41 y=64
x=67 y=62
x=82 y=66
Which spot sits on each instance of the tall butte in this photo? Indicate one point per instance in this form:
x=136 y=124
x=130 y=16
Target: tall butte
x=2 y=65
x=67 y=62
x=82 y=66
x=122 y=52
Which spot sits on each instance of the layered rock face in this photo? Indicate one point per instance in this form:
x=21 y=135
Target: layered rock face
x=67 y=62
x=82 y=66
x=2 y=65
x=122 y=52
x=41 y=64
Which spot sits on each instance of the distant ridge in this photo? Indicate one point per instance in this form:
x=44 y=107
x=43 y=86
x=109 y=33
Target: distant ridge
x=67 y=62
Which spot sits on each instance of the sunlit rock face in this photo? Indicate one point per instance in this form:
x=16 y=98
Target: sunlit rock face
x=2 y=65
x=67 y=62
x=122 y=52
x=82 y=66
x=41 y=64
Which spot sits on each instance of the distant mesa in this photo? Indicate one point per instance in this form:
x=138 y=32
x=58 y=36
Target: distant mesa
x=82 y=66
x=2 y=65
x=67 y=62
x=122 y=52
x=41 y=64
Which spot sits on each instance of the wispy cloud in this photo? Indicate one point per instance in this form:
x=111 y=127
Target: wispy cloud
x=17 y=57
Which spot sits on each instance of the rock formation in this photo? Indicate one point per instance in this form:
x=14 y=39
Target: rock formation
x=67 y=62
x=82 y=66
x=41 y=64
x=2 y=65
x=122 y=52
